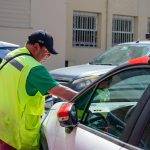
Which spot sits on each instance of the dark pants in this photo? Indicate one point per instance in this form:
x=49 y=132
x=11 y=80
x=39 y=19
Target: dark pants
x=5 y=146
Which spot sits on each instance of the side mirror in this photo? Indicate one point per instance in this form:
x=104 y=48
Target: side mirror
x=67 y=115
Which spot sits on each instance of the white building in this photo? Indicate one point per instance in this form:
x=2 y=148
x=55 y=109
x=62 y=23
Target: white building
x=81 y=28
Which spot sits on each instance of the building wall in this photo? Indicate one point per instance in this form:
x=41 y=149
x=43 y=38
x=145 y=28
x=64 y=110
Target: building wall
x=76 y=55
x=56 y=17
x=49 y=15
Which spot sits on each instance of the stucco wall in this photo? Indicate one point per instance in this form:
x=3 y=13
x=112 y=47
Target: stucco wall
x=48 y=15
x=51 y=15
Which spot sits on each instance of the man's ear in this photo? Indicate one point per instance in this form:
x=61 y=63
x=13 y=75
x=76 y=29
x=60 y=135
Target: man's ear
x=36 y=47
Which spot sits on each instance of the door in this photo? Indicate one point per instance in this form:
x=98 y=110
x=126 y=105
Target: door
x=105 y=110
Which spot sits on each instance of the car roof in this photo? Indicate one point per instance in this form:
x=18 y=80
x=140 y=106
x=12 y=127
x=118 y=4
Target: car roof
x=6 y=44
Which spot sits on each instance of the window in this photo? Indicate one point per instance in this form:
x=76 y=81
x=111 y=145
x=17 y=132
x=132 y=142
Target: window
x=15 y=13
x=84 y=29
x=122 y=29
x=108 y=107
x=82 y=101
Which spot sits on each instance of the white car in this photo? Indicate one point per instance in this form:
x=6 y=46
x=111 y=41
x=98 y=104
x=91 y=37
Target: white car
x=110 y=114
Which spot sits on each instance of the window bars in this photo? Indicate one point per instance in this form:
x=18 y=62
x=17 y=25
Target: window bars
x=122 y=29
x=84 y=29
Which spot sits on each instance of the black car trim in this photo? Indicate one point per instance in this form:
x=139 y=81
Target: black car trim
x=107 y=137
x=135 y=117
x=142 y=121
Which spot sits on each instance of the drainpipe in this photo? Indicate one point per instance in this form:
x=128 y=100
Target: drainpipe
x=66 y=63
x=107 y=7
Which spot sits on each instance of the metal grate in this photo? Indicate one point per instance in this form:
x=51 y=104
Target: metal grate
x=84 y=29
x=122 y=29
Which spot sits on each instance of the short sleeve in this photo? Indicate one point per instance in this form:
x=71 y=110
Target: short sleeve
x=39 y=79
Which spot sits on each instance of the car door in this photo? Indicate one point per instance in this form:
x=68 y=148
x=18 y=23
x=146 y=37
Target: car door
x=140 y=135
x=105 y=108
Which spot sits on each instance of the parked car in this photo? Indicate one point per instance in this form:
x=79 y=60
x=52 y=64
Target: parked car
x=110 y=114
x=75 y=83
x=78 y=77
x=5 y=48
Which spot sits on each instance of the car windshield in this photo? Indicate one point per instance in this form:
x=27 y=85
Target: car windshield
x=121 y=53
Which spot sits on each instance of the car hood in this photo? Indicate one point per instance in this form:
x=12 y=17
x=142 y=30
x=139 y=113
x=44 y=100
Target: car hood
x=6 y=44
x=82 y=70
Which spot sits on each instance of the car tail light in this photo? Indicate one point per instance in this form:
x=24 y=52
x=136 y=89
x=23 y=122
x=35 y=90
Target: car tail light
x=139 y=60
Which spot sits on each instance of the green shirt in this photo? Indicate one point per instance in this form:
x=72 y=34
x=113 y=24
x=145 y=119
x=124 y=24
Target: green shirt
x=40 y=80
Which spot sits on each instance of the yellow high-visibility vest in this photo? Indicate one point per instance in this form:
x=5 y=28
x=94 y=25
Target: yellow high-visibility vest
x=20 y=114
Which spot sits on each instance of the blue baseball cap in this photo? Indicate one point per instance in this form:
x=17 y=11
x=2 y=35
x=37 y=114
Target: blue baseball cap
x=44 y=39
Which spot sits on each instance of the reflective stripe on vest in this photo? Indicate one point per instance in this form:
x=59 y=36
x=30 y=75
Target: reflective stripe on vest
x=15 y=63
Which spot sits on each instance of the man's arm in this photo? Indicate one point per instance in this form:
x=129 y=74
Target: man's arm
x=63 y=92
x=40 y=80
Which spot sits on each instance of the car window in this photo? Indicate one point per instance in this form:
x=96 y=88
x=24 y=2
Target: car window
x=121 y=53
x=82 y=101
x=81 y=83
x=112 y=102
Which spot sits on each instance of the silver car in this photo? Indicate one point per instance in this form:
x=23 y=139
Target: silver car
x=78 y=77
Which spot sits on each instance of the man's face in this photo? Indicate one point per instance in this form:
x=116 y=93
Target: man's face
x=44 y=54
x=41 y=53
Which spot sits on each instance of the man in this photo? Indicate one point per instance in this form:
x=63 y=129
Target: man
x=24 y=82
